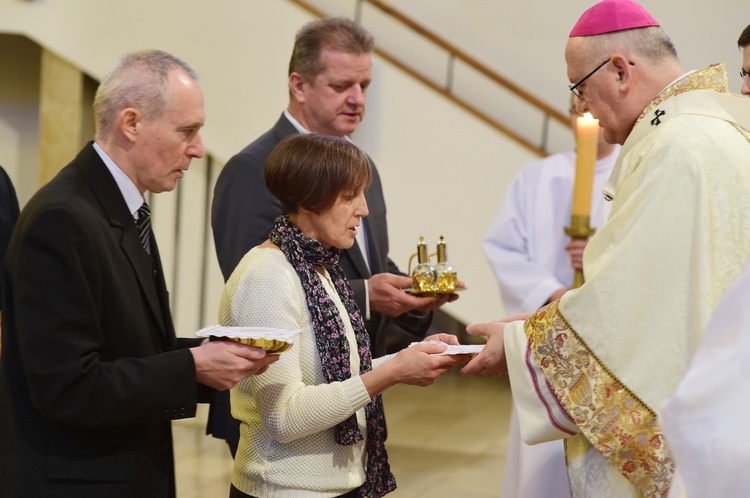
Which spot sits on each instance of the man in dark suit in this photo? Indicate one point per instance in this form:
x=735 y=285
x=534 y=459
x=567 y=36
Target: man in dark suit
x=9 y=212
x=329 y=72
x=91 y=368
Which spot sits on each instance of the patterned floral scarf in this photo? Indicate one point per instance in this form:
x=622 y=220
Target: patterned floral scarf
x=303 y=253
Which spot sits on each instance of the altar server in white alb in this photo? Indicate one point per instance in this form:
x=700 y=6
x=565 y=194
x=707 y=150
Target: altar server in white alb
x=534 y=261
x=595 y=367
x=526 y=244
x=705 y=420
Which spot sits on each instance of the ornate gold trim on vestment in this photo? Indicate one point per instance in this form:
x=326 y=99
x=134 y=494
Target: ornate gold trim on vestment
x=616 y=422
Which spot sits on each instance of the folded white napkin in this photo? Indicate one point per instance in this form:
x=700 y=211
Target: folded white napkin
x=455 y=349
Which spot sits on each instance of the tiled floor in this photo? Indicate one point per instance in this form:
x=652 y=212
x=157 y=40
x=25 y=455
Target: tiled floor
x=446 y=440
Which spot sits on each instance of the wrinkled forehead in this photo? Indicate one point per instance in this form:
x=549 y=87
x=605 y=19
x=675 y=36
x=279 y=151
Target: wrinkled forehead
x=577 y=57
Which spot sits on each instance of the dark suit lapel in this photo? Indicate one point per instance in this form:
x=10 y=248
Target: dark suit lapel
x=372 y=248
x=355 y=256
x=144 y=269
x=161 y=292
x=116 y=210
x=283 y=128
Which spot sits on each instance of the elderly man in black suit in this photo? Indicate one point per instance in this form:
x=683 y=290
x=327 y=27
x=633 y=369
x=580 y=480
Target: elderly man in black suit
x=329 y=73
x=91 y=369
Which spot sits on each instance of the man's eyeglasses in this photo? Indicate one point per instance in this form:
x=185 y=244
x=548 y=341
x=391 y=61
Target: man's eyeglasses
x=743 y=74
x=574 y=88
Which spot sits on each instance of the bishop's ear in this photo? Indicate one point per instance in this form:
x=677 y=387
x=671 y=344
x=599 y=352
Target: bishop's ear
x=625 y=70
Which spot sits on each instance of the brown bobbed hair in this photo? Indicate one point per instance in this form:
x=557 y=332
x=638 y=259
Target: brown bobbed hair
x=310 y=171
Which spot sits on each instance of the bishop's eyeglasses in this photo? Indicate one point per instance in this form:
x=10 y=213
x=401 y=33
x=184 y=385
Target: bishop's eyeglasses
x=575 y=88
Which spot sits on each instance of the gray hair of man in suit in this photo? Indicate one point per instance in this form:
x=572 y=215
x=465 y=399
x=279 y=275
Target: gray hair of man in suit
x=139 y=80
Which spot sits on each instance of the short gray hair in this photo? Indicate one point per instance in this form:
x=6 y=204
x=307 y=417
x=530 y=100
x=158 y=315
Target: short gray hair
x=139 y=80
x=651 y=43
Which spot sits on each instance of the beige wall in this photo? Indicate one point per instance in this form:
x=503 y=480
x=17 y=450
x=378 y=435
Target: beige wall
x=19 y=112
x=444 y=171
x=525 y=40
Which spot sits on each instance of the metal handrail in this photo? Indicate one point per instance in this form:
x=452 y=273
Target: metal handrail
x=446 y=89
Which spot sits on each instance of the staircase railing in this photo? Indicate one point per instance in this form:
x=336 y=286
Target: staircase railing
x=447 y=87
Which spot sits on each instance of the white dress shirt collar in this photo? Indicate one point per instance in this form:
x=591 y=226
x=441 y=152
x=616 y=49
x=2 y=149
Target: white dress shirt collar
x=133 y=197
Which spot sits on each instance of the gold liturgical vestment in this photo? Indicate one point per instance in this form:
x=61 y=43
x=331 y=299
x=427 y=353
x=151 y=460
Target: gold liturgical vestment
x=596 y=366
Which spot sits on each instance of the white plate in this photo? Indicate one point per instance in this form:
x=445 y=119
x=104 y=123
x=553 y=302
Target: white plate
x=270 y=339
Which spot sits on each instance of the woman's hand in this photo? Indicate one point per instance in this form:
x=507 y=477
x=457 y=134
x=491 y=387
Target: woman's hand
x=446 y=338
x=417 y=365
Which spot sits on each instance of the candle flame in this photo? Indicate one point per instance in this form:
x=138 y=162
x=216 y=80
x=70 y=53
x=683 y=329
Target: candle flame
x=588 y=118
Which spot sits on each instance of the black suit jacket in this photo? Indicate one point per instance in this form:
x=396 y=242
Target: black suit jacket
x=243 y=213
x=8 y=213
x=91 y=367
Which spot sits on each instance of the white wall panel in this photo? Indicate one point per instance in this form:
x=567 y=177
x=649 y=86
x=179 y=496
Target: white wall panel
x=444 y=171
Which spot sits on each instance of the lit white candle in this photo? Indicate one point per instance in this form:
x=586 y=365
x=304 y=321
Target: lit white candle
x=587 y=134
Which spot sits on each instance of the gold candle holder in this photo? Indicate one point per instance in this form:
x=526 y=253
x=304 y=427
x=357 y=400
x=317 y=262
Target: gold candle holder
x=579 y=229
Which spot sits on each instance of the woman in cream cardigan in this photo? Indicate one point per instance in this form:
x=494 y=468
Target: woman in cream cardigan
x=312 y=424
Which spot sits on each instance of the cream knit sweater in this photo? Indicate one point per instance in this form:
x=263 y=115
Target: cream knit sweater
x=287 y=414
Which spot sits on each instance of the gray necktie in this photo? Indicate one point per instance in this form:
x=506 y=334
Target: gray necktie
x=143 y=224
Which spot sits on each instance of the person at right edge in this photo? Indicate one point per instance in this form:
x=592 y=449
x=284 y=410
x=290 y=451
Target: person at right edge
x=743 y=43
x=329 y=74
x=595 y=367
x=534 y=262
